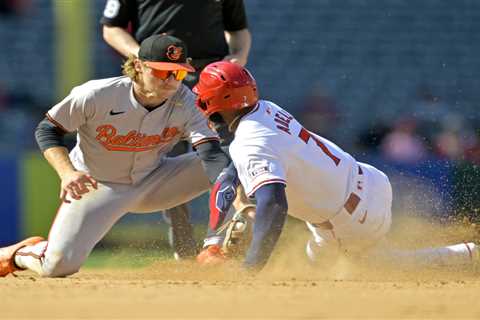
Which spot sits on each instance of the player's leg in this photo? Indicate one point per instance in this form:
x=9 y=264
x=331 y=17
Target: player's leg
x=7 y=255
x=379 y=201
x=77 y=227
x=358 y=231
x=179 y=180
x=176 y=181
x=363 y=239
x=462 y=254
x=180 y=230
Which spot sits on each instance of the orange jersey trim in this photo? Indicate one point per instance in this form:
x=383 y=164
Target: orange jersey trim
x=204 y=140
x=57 y=124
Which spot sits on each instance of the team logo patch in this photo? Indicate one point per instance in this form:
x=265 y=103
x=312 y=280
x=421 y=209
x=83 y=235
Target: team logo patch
x=257 y=168
x=174 y=53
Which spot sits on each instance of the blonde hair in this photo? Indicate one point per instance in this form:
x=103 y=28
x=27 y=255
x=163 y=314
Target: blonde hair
x=128 y=68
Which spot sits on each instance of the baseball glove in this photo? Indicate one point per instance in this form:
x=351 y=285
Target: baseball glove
x=236 y=234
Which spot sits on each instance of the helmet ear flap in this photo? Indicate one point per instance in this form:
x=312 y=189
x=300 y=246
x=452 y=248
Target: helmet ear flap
x=217 y=123
x=202 y=104
x=216 y=118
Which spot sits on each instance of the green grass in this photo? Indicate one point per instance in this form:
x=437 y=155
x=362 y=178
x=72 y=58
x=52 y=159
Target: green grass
x=135 y=245
x=126 y=258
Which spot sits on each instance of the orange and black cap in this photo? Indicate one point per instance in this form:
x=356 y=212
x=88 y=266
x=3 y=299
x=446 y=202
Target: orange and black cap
x=164 y=52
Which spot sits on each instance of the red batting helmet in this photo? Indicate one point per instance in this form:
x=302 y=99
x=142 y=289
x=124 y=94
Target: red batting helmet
x=225 y=86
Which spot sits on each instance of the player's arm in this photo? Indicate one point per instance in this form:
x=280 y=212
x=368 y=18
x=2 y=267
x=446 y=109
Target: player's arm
x=121 y=40
x=50 y=139
x=223 y=194
x=270 y=217
x=216 y=165
x=214 y=159
x=239 y=43
x=237 y=35
x=223 y=175
x=117 y=14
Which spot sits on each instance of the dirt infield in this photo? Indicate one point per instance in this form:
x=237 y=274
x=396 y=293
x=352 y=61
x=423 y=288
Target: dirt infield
x=177 y=291
x=288 y=288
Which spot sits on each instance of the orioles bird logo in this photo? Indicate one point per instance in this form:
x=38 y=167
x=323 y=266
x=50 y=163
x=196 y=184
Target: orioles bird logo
x=174 y=53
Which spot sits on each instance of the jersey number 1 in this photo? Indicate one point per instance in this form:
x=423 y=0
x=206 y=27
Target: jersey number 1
x=305 y=135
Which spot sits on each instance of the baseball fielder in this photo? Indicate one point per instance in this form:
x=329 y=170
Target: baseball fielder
x=125 y=126
x=288 y=169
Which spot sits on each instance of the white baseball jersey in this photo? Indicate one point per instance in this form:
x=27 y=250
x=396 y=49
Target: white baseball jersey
x=120 y=141
x=271 y=146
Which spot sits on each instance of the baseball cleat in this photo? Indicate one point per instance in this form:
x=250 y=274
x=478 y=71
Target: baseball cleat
x=7 y=255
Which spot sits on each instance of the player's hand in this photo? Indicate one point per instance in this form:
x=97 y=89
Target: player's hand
x=76 y=183
x=211 y=256
x=236 y=58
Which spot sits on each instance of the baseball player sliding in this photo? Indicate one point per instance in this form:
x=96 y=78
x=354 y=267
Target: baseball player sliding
x=288 y=169
x=125 y=126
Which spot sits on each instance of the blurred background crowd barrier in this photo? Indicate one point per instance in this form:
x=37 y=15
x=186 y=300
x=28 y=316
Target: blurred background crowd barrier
x=395 y=82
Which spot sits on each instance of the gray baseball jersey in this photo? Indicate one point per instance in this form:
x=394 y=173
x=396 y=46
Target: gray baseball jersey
x=123 y=146
x=120 y=141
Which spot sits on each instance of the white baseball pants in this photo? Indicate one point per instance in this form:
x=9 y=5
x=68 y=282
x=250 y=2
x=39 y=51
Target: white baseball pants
x=81 y=224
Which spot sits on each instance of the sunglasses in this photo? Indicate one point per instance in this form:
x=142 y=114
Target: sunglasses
x=179 y=75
